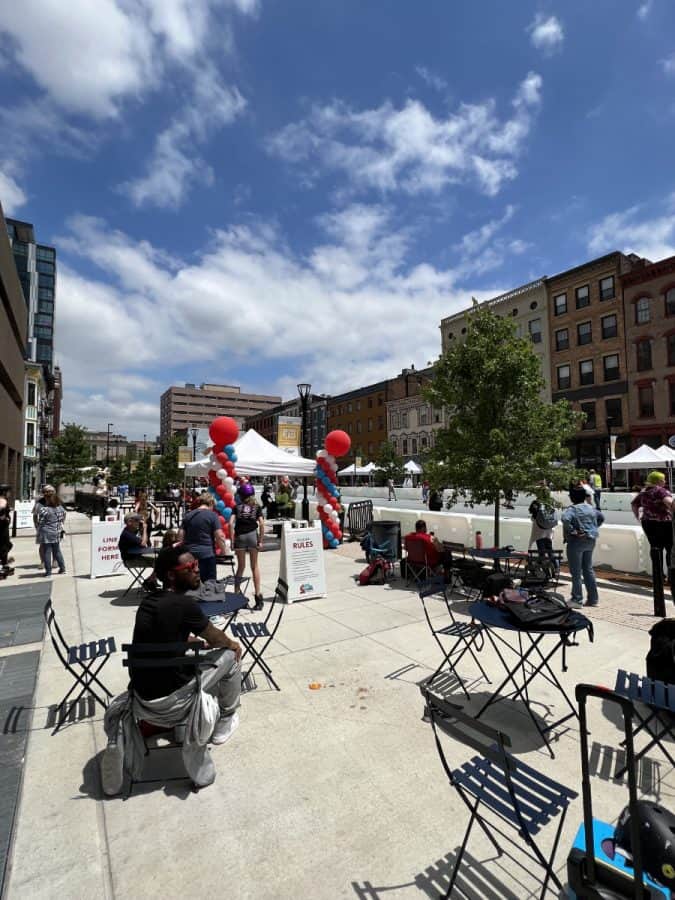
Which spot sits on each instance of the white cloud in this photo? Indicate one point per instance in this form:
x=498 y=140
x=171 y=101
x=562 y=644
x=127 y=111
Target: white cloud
x=409 y=149
x=668 y=64
x=90 y=57
x=644 y=9
x=173 y=165
x=431 y=78
x=546 y=32
x=244 y=291
x=486 y=249
x=635 y=231
x=12 y=197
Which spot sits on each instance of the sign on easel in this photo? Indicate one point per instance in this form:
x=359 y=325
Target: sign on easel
x=24 y=513
x=302 y=563
x=104 y=552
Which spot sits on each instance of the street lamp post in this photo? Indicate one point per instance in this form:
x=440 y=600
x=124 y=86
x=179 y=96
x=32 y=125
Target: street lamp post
x=304 y=390
x=107 y=445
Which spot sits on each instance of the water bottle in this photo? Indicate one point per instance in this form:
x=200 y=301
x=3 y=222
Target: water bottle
x=479 y=540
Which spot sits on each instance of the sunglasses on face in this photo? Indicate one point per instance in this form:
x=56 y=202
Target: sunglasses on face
x=186 y=567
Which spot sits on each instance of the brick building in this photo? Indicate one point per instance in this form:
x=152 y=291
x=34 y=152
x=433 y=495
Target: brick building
x=649 y=311
x=588 y=358
x=266 y=423
x=189 y=406
x=362 y=413
x=411 y=422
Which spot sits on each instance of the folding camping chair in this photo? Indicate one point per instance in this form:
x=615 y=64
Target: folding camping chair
x=83 y=661
x=137 y=567
x=417 y=565
x=467 y=635
x=154 y=656
x=249 y=633
x=659 y=697
x=513 y=793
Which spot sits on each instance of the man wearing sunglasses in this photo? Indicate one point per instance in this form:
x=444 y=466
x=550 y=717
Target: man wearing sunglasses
x=170 y=616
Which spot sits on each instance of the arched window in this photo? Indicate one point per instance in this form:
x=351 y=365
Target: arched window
x=643 y=311
x=670 y=302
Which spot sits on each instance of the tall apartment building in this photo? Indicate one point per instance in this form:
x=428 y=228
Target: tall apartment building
x=362 y=413
x=36 y=268
x=412 y=423
x=588 y=358
x=189 y=406
x=649 y=311
x=528 y=307
x=13 y=327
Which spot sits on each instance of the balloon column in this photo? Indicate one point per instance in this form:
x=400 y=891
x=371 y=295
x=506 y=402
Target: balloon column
x=337 y=444
x=223 y=431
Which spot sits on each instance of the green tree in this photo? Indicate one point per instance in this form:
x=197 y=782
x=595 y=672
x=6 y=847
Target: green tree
x=389 y=465
x=141 y=477
x=502 y=437
x=119 y=472
x=166 y=469
x=69 y=453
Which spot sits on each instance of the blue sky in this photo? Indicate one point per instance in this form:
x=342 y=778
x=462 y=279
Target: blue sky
x=262 y=193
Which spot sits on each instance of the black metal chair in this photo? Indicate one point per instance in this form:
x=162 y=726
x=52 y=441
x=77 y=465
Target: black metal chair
x=466 y=637
x=513 y=793
x=138 y=567
x=468 y=578
x=83 y=661
x=184 y=656
x=249 y=633
x=659 y=697
x=542 y=569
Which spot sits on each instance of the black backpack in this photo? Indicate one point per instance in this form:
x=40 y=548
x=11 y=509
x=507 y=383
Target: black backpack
x=661 y=655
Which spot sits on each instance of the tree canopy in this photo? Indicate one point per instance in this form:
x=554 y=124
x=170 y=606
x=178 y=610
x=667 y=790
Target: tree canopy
x=389 y=464
x=69 y=453
x=501 y=437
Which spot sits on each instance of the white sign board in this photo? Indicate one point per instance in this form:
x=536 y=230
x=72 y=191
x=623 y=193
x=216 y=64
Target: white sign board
x=24 y=517
x=302 y=562
x=105 y=556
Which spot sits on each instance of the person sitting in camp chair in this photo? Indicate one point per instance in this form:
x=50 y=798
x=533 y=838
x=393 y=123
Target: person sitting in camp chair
x=425 y=552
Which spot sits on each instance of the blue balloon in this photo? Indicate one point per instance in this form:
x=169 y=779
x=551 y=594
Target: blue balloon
x=229 y=449
x=227 y=513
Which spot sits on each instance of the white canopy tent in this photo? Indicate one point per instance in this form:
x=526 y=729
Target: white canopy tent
x=368 y=469
x=644 y=457
x=257 y=456
x=666 y=453
x=413 y=468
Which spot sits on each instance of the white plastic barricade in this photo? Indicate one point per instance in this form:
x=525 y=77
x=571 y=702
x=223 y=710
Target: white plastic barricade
x=302 y=562
x=104 y=554
x=24 y=513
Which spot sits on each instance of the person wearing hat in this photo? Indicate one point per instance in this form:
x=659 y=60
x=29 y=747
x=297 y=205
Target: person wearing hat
x=653 y=509
x=134 y=537
x=581 y=522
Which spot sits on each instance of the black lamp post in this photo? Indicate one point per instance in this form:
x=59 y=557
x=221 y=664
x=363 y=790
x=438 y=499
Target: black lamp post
x=194 y=432
x=304 y=390
x=107 y=445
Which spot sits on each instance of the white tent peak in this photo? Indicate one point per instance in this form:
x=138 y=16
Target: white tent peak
x=644 y=457
x=258 y=456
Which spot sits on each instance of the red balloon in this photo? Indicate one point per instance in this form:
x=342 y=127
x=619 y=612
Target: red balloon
x=222 y=521
x=228 y=498
x=213 y=478
x=221 y=490
x=222 y=458
x=228 y=465
x=338 y=443
x=223 y=430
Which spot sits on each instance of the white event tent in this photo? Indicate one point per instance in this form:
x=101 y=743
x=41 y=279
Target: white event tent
x=644 y=457
x=412 y=468
x=257 y=456
x=368 y=469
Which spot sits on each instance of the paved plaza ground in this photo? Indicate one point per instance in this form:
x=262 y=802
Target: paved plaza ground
x=323 y=794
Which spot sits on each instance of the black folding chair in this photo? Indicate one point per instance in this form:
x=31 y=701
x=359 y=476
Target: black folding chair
x=467 y=577
x=184 y=656
x=83 y=661
x=513 y=793
x=137 y=567
x=542 y=569
x=249 y=633
x=465 y=635
x=659 y=697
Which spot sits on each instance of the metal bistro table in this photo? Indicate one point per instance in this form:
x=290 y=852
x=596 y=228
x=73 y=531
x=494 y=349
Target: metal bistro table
x=506 y=561
x=530 y=659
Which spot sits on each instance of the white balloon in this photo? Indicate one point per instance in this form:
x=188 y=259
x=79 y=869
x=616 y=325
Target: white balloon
x=229 y=481
x=222 y=474
x=322 y=454
x=327 y=508
x=331 y=459
x=334 y=466
x=334 y=513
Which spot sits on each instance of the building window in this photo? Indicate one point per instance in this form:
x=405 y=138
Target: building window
x=607 y=288
x=30 y=434
x=414 y=445
x=358 y=405
x=646 y=401
x=44 y=253
x=670 y=302
x=608 y=326
x=370 y=424
x=586 y=372
x=535 y=331
x=613 y=414
x=588 y=409
x=31 y=394
x=670 y=343
x=423 y=415
x=358 y=427
x=370 y=402
x=45 y=306
x=380 y=422
x=394 y=444
x=671 y=394
x=643 y=311
x=404 y=446
x=423 y=443
x=583 y=297
x=437 y=417
x=46 y=268
x=349 y=407
x=643 y=351
x=562 y=339
x=404 y=420
x=563 y=378
x=584 y=333
x=560 y=304
x=610 y=365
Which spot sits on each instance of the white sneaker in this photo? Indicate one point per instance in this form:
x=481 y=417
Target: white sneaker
x=224 y=729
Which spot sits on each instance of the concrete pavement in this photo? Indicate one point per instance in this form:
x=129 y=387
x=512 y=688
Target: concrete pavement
x=328 y=793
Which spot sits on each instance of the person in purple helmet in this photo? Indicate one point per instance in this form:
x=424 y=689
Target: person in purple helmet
x=247 y=530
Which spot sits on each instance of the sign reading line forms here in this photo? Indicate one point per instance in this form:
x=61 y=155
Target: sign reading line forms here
x=302 y=562
x=104 y=553
x=24 y=513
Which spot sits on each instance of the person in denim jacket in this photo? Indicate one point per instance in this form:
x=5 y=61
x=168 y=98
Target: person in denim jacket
x=580 y=530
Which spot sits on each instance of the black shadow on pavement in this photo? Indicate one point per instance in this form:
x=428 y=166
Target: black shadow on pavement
x=167 y=775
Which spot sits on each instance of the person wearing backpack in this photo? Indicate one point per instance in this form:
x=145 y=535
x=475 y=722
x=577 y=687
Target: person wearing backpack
x=581 y=522
x=544 y=519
